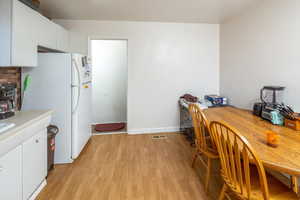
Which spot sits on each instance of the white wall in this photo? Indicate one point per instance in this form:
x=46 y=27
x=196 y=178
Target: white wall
x=262 y=47
x=109 y=96
x=165 y=60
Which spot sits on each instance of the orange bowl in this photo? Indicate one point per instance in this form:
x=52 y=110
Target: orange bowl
x=272 y=138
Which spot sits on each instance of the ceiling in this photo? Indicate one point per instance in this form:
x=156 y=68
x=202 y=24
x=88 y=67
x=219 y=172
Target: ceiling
x=188 y=11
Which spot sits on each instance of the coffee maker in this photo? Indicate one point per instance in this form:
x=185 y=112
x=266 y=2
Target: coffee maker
x=271 y=101
x=8 y=99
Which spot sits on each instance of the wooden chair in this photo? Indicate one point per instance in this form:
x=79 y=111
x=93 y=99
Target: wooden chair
x=243 y=180
x=204 y=145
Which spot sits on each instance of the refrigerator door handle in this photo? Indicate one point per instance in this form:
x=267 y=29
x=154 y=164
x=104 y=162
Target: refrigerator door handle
x=77 y=86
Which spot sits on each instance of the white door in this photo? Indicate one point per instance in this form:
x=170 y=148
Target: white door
x=81 y=105
x=109 y=96
x=11 y=175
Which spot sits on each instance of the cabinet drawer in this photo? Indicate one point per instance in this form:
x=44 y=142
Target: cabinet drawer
x=11 y=175
x=34 y=163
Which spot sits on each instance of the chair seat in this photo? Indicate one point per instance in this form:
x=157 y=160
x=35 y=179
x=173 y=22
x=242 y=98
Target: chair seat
x=277 y=190
x=210 y=150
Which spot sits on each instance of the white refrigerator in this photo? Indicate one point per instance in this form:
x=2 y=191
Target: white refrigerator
x=62 y=82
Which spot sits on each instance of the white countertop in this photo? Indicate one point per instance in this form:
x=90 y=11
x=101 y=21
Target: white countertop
x=22 y=120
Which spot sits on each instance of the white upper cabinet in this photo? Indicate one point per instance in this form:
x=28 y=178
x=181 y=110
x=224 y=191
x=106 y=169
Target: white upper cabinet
x=22 y=30
x=46 y=32
x=51 y=35
x=24 y=46
x=5 y=33
x=62 y=39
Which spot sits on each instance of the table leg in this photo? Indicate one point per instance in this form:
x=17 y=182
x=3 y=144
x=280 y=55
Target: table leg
x=294 y=184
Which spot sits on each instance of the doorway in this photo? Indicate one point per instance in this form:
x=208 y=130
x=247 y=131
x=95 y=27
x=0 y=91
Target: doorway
x=109 y=93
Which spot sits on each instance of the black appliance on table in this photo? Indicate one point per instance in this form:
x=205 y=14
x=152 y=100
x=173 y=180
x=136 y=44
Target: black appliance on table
x=271 y=103
x=8 y=95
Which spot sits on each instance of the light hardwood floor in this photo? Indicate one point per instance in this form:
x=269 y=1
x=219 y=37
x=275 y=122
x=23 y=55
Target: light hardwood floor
x=128 y=167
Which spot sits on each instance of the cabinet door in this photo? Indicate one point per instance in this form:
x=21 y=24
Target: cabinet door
x=46 y=33
x=24 y=44
x=11 y=175
x=62 y=39
x=34 y=163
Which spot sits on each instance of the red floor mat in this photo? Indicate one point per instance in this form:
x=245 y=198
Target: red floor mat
x=109 y=127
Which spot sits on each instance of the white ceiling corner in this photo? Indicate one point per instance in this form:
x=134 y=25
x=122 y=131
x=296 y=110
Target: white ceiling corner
x=184 y=11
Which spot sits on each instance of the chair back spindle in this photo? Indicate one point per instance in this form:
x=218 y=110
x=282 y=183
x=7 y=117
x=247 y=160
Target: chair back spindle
x=200 y=124
x=204 y=144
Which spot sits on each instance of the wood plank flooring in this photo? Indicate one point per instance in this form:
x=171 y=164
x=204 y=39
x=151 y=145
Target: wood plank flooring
x=128 y=167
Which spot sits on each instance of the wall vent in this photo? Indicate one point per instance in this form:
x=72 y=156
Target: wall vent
x=159 y=137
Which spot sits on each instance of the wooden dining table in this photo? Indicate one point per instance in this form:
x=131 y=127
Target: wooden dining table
x=284 y=158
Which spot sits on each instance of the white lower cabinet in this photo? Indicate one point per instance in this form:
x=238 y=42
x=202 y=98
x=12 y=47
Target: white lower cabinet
x=34 y=163
x=11 y=175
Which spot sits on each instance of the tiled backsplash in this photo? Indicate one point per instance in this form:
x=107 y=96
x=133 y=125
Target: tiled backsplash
x=12 y=75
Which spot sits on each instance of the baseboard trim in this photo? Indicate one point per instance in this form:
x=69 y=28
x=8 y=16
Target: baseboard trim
x=38 y=190
x=64 y=161
x=153 y=130
x=109 y=133
x=107 y=123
